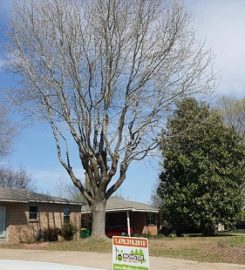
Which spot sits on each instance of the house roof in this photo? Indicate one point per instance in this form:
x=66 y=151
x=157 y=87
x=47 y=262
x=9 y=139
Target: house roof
x=26 y=196
x=121 y=205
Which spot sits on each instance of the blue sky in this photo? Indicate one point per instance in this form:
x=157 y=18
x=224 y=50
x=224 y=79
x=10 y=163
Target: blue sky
x=221 y=23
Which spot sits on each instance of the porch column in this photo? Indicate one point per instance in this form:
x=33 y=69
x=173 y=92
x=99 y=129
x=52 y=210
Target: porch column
x=128 y=224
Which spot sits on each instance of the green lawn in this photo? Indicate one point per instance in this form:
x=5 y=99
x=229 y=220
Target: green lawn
x=228 y=249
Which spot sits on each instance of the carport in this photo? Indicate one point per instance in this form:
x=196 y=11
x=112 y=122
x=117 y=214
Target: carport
x=126 y=214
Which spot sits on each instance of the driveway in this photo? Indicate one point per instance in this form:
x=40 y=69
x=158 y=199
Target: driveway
x=103 y=261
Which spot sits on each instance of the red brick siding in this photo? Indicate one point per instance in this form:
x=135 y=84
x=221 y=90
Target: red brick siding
x=21 y=229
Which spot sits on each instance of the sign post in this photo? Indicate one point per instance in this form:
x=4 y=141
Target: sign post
x=130 y=253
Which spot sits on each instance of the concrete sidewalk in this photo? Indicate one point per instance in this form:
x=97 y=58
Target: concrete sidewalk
x=103 y=261
x=27 y=265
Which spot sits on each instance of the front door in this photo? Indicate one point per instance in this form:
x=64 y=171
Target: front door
x=2 y=222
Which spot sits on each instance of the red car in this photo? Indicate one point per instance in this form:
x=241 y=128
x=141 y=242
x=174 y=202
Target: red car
x=119 y=230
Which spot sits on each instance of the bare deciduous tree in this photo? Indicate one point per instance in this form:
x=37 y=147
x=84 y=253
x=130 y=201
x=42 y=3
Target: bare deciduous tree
x=233 y=111
x=67 y=190
x=6 y=133
x=104 y=73
x=18 y=179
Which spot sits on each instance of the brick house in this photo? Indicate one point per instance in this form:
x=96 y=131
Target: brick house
x=122 y=215
x=23 y=214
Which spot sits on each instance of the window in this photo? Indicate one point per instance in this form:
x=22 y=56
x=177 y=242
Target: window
x=33 y=212
x=150 y=219
x=66 y=215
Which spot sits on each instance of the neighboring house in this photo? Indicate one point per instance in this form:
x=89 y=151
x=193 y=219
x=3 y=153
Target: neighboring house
x=123 y=216
x=23 y=214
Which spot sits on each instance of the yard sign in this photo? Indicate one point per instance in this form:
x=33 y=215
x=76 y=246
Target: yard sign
x=130 y=253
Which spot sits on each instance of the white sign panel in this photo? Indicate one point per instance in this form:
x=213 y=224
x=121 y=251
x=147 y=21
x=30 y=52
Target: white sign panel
x=130 y=253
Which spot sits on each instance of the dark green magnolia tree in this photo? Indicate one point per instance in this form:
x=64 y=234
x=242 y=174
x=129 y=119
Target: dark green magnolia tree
x=203 y=168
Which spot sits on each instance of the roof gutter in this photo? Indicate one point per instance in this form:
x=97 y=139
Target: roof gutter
x=124 y=210
x=32 y=201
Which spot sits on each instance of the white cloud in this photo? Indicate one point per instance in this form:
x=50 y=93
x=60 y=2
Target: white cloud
x=221 y=23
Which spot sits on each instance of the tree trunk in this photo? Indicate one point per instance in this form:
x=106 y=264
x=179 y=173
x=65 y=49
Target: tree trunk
x=98 y=213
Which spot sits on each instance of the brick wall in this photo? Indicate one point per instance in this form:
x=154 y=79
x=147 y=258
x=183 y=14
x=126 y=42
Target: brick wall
x=21 y=229
x=150 y=230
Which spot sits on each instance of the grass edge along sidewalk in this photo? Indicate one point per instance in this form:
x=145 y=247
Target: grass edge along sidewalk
x=229 y=248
